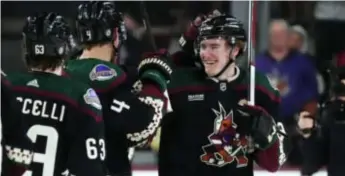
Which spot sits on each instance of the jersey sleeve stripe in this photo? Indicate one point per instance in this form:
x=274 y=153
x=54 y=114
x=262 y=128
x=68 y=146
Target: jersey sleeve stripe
x=193 y=88
x=263 y=90
x=119 y=80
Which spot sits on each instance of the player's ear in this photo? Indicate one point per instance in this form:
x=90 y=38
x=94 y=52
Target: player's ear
x=116 y=38
x=235 y=50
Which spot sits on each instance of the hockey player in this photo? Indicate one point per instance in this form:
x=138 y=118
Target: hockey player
x=64 y=116
x=212 y=130
x=131 y=120
x=17 y=155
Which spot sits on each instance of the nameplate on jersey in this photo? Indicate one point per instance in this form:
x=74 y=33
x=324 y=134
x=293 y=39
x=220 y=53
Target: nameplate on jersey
x=196 y=97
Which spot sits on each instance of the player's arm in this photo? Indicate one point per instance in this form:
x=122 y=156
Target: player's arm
x=315 y=143
x=138 y=115
x=17 y=146
x=272 y=152
x=87 y=152
x=315 y=151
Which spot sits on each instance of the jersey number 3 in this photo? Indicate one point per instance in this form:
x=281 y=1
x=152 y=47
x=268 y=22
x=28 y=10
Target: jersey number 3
x=48 y=158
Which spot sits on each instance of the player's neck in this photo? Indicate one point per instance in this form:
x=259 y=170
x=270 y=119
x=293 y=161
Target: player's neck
x=57 y=71
x=230 y=74
x=103 y=52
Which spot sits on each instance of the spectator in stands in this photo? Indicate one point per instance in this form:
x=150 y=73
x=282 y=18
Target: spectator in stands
x=298 y=40
x=293 y=75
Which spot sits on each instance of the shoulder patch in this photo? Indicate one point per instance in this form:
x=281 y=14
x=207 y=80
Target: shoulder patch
x=102 y=72
x=91 y=98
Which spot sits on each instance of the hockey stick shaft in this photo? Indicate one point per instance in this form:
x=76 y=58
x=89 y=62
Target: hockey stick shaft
x=147 y=24
x=251 y=49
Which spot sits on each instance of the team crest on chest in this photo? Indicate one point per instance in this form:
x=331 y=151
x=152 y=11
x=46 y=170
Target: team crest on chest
x=279 y=82
x=102 y=72
x=226 y=145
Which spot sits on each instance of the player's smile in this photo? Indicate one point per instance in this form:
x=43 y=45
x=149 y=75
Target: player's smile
x=209 y=62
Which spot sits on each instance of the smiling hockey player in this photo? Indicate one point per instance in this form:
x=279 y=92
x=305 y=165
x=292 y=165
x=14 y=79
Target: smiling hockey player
x=212 y=130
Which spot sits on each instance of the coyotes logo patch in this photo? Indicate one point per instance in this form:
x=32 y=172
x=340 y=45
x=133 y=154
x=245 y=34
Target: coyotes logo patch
x=226 y=145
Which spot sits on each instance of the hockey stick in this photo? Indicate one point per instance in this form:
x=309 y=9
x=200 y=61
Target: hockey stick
x=251 y=49
x=251 y=53
x=147 y=24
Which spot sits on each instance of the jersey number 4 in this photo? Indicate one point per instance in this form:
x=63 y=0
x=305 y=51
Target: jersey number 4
x=118 y=106
x=48 y=158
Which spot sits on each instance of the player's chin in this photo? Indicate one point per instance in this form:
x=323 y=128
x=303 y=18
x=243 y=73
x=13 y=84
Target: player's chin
x=210 y=72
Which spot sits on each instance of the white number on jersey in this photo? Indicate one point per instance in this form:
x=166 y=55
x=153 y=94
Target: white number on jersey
x=39 y=49
x=118 y=106
x=48 y=157
x=92 y=148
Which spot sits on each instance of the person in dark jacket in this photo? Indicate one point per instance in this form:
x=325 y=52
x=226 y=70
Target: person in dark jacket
x=324 y=143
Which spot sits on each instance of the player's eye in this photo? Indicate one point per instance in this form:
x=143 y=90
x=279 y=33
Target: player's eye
x=214 y=46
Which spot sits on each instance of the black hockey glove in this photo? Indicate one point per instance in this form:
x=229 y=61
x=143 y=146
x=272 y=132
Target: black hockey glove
x=263 y=126
x=187 y=39
x=156 y=68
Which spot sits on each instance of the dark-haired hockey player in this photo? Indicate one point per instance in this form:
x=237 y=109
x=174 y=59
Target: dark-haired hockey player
x=64 y=116
x=212 y=131
x=130 y=119
x=17 y=155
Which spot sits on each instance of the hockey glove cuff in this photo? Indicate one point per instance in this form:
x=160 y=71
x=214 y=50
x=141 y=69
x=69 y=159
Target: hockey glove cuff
x=263 y=128
x=187 y=39
x=156 y=68
x=154 y=77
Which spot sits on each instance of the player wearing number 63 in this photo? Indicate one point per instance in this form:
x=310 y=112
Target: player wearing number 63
x=130 y=119
x=64 y=116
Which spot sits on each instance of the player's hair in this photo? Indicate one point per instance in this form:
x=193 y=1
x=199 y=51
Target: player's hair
x=44 y=63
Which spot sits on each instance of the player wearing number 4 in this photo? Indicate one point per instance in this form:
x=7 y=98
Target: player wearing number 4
x=130 y=119
x=64 y=116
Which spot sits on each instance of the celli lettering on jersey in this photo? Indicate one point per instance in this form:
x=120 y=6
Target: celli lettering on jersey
x=42 y=108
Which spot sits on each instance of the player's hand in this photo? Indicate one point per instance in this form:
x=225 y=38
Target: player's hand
x=192 y=30
x=156 y=67
x=305 y=124
x=263 y=127
x=189 y=36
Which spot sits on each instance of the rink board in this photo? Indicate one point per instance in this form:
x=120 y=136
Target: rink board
x=257 y=173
